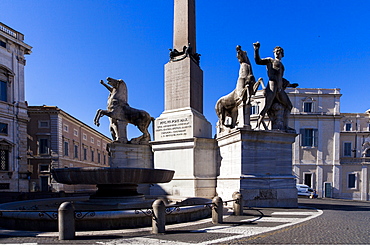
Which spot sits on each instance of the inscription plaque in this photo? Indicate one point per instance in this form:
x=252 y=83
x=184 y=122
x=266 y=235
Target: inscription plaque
x=172 y=128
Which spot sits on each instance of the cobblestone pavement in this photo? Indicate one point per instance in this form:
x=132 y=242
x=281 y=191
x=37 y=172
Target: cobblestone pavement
x=342 y=222
x=333 y=222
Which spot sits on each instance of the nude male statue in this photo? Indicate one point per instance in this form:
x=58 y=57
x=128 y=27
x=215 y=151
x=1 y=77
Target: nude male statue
x=275 y=90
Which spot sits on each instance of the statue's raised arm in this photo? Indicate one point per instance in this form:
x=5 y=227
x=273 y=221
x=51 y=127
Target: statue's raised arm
x=277 y=102
x=257 y=57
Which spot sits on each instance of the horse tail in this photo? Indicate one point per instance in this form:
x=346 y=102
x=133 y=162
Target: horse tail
x=217 y=106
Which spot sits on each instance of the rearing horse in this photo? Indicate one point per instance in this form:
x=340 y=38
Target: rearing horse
x=120 y=114
x=246 y=87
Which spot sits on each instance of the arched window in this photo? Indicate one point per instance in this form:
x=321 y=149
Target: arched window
x=347 y=126
x=308 y=104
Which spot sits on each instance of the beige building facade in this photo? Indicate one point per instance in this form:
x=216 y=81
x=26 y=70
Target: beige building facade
x=58 y=140
x=355 y=155
x=14 y=169
x=331 y=152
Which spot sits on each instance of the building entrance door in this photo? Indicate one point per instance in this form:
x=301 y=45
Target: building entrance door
x=308 y=179
x=44 y=180
x=327 y=190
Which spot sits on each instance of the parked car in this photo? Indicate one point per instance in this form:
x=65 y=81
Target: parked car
x=305 y=190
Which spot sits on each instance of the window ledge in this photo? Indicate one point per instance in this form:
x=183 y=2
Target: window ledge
x=307 y=147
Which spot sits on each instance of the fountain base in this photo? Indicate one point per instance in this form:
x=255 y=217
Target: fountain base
x=99 y=214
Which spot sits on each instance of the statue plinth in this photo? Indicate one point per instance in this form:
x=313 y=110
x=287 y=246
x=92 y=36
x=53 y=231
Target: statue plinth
x=130 y=155
x=259 y=165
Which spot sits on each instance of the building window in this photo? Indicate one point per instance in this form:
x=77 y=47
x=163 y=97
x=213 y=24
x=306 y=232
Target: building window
x=75 y=132
x=85 y=153
x=92 y=140
x=4 y=186
x=3 y=128
x=92 y=155
x=309 y=137
x=4 y=160
x=307 y=179
x=84 y=136
x=2 y=44
x=307 y=107
x=98 y=143
x=43 y=124
x=76 y=151
x=66 y=148
x=348 y=127
x=43 y=146
x=352 y=181
x=3 y=91
x=254 y=109
x=43 y=168
x=65 y=128
x=104 y=159
x=44 y=183
x=347 y=149
x=99 y=158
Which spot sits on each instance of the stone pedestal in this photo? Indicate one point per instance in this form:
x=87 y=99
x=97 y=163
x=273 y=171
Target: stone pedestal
x=193 y=160
x=259 y=165
x=132 y=156
x=183 y=136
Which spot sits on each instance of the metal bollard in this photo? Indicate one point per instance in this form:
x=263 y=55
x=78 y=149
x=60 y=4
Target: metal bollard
x=217 y=210
x=238 y=204
x=66 y=221
x=159 y=217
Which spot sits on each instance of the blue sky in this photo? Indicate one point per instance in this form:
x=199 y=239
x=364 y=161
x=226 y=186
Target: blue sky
x=76 y=43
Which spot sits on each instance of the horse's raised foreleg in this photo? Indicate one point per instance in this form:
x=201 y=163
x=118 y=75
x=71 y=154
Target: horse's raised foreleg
x=99 y=114
x=97 y=117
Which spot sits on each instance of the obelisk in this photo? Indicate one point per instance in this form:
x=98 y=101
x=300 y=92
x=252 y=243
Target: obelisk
x=182 y=135
x=184 y=32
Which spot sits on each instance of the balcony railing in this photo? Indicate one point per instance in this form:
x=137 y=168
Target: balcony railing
x=10 y=31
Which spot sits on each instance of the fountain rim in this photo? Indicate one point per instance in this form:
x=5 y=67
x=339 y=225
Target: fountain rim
x=113 y=175
x=110 y=168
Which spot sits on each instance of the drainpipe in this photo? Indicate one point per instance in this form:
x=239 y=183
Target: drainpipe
x=355 y=149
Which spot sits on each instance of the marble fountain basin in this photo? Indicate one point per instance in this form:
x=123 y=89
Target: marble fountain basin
x=111 y=175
